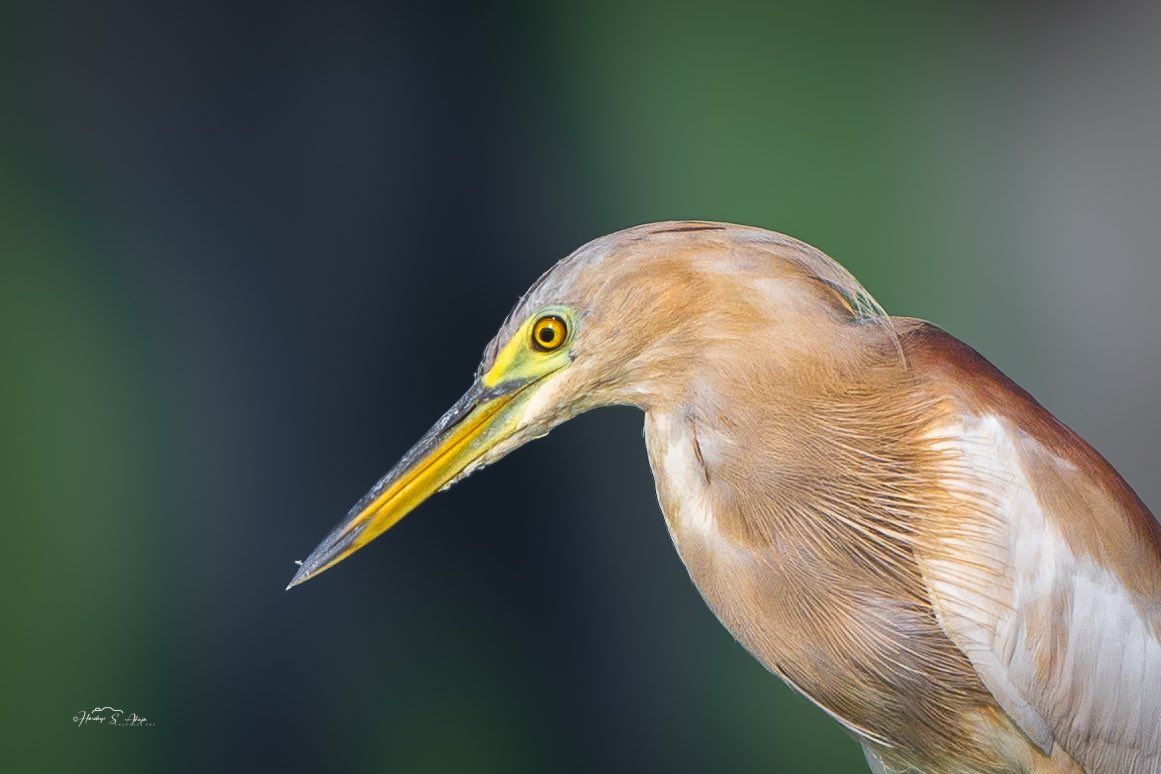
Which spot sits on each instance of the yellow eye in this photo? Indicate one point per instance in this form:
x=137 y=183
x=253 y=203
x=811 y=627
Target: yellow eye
x=549 y=333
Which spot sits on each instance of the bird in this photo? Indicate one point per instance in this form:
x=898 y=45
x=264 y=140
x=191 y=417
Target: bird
x=872 y=509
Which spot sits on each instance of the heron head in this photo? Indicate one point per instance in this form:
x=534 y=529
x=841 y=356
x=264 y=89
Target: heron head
x=638 y=317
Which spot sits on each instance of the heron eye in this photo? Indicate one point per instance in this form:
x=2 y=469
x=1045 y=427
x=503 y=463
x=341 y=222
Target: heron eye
x=549 y=333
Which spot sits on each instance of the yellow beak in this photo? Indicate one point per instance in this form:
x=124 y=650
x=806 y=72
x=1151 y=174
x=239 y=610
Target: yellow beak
x=478 y=421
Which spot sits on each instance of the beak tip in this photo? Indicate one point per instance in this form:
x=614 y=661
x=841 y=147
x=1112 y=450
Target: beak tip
x=299 y=577
x=336 y=547
x=306 y=570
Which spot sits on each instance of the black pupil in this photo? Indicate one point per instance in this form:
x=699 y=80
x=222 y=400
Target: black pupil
x=547 y=334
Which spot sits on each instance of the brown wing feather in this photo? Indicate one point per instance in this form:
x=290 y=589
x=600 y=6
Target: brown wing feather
x=1125 y=534
x=1058 y=604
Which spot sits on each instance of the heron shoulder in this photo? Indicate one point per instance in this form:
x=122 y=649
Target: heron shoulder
x=1048 y=576
x=1115 y=526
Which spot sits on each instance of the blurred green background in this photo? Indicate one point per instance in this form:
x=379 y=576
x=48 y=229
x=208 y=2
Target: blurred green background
x=249 y=254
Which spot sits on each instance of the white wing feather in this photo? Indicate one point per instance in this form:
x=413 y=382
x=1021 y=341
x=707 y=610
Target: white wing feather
x=1070 y=654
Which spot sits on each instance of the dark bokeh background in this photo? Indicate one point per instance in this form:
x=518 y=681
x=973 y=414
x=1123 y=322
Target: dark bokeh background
x=248 y=254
